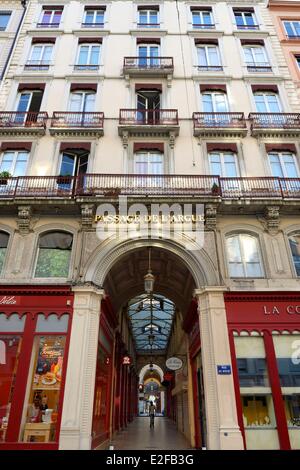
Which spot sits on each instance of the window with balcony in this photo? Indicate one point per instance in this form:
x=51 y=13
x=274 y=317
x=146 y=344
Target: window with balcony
x=54 y=255
x=267 y=102
x=4 y=237
x=93 y=17
x=223 y=164
x=40 y=57
x=202 y=18
x=148 y=163
x=4 y=19
x=283 y=164
x=209 y=58
x=245 y=18
x=148 y=55
x=81 y=108
x=88 y=57
x=14 y=162
x=214 y=102
x=74 y=162
x=292 y=29
x=148 y=106
x=294 y=242
x=243 y=255
x=148 y=18
x=256 y=58
x=50 y=17
x=28 y=105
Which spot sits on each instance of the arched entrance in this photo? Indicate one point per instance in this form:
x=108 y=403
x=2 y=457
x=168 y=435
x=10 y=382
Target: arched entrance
x=118 y=269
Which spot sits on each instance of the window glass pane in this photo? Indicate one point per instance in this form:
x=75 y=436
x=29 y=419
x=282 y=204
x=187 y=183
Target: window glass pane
x=47 y=53
x=89 y=16
x=207 y=17
x=202 y=60
x=83 y=55
x=13 y=323
x=290 y=166
x=207 y=103
x=10 y=347
x=143 y=17
x=52 y=324
x=94 y=60
x=213 y=56
x=294 y=241
x=67 y=165
x=76 y=100
x=21 y=164
x=153 y=17
x=233 y=249
x=42 y=408
x=215 y=164
x=196 y=18
x=220 y=103
x=250 y=249
x=36 y=53
x=230 y=166
x=99 y=16
x=275 y=165
x=4 y=19
x=253 y=270
x=54 y=255
x=24 y=101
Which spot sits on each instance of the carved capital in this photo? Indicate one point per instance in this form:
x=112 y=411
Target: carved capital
x=210 y=216
x=24 y=219
x=125 y=136
x=172 y=139
x=87 y=212
x=272 y=219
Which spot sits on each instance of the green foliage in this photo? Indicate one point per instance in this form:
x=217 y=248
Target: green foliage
x=2 y=256
x=53 y=263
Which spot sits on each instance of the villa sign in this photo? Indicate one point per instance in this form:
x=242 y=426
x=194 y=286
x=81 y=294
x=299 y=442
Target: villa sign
x=174 y=363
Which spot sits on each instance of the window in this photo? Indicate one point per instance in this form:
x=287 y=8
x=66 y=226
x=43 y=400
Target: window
x=245 y=19
x=209 y=58
x=256 y=59
x=4 y=237
x=93 y=18
x=73 y=163
x=283 y=164
x=88 y=57
x=54 y=254
x=292 y=29
x=148 y=18
x=148 y=105
x=243 y=256
x=82 y=101
x=148 y=163
x=267 y=102
x=202 y=19
x=294 y=241
x=4 y=19
x=50 y=17
x=14 y=162
x=214 y=102
x=29 y=104
x=297 y=58
x=148 y=55
x=223 y=164
x=40 y=57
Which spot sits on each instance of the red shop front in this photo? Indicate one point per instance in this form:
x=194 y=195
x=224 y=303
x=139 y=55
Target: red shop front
x=35 y=325
x=264 y=334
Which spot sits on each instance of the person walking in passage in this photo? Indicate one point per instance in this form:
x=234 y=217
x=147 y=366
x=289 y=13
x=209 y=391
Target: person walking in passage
x=151 y=414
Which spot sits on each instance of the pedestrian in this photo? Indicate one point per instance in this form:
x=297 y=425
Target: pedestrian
x=151 y=414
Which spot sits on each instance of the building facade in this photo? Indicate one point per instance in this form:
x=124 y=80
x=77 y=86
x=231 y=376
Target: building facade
x=108 y=108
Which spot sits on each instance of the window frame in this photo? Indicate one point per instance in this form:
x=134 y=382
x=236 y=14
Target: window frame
x=291 y=21
x=6 y=13
x=3 y=268
x=50 y=24
x=222 y=154
x=206 y=48
x=148 y=153
x=288 y=235
x=252 y=47
x=202 y=25
x=83 y=93
x=255 y=26
x=15 y=158
x=88 y=66
x=148 y=24
x=214 y=94
x=268 y=93
x=43 y=46
x=72 y=254
x=281 y=154
x=94 y=24
x=259 y=252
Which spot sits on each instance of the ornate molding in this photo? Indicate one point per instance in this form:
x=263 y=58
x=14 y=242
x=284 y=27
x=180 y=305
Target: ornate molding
x=272 y=219
x=87 y=212
x=24 y=219
x=210 y=216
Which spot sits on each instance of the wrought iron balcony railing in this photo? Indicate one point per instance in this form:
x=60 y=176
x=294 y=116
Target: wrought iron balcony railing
x=219 y=120
x=37 y=65
x=259 y=67
x=20 y=119
x=47 y=25
x=203 y=26
x=148 y=63
x=247 y=26
x=149 y=117
x=92 y=25
x=86 y=67
x=113 y=185
x=209 y=68
x=83 y=120
x=148 y=25
x=275 y=120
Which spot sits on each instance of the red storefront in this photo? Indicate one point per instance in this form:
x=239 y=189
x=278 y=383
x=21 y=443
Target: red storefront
x=35 y=325
x=264 y=334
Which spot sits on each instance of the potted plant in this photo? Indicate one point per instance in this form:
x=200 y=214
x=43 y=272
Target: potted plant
x=215 y=189
x=4 y=175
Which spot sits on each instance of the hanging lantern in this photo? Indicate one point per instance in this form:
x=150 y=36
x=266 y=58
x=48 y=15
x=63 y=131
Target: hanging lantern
x=149 y=278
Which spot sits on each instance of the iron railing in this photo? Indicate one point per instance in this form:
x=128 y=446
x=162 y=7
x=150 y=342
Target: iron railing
x=203 y=26
x=37 y=65
x=151 y=117
x=247 y=26
x=70 y=119
x=275 y=120
x=148 y=63
x=113 y=185
x=209 y=68
x=217 y=120
x=21 y=119
x=92 y=25
x=86 y=67
x=148 y=25
x=259 y=67
x=47 y=25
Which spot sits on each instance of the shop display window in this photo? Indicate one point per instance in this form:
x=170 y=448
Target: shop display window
x=258 y=411
x=292 y=410
x=10 y=346
x=43 y=394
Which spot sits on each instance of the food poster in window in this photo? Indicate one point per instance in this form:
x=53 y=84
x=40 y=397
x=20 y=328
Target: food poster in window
x=49 y=364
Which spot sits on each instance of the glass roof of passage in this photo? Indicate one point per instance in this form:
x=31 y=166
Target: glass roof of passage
x=151 y=315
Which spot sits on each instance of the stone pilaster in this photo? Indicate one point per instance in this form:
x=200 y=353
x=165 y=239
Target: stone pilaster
x=223 y=431
x=76 y=425
x=24 y=219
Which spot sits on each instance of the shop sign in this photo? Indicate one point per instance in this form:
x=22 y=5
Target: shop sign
x=9 y=300
x=224 y=369
x=277 y=310
x=126 y=361
x=174 y=363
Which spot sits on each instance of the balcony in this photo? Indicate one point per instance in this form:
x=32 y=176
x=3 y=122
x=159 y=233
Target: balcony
x=69 y=123
x=259 y=68
x=219 y=124
x=92 y=25
x=47 y=25
x=37 y=65
x=148 y=67
x=153 y=122
x=209 y=68
x=86 y=67
x=28 y=123
x=204 y=26
x=275 y=124
x=113 y=185
x=148 y=25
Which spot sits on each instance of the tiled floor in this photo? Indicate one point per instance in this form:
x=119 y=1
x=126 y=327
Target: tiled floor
x=138 y=435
